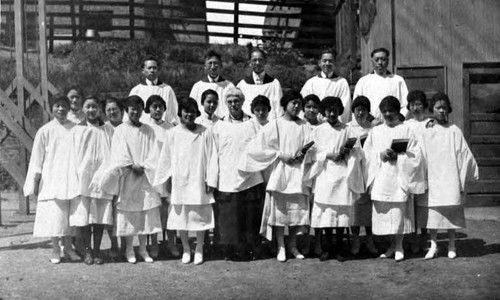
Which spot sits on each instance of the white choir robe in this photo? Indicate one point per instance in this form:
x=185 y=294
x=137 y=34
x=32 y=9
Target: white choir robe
x=450 y=164
x=78 y=118
x=337 y=184
x=376 y=88
x=362 y=208
x=51 y=157
x=229 y=143
x=185 y=159
x=163 y=90
x=287 y=202
x=206 y=121
x=325 y=87
x=271 y=88
x=137 y=206
x=391 y=183
x=220 y=87
x=93 y=151
x=159 y=129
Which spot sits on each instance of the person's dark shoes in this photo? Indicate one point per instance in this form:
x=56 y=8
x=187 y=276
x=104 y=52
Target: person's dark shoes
x=324 y=256
x=87 y=257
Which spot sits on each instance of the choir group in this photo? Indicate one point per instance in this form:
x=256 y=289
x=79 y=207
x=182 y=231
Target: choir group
x=248 y=162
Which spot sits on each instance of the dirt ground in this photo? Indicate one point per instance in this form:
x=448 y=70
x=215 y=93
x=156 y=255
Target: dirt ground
x=26 y=273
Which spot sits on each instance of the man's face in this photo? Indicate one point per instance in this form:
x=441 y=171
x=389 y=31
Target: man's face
x=257 y=62
x=150 y=70
x=327 y=63
x=380 y=61
x=213 y=67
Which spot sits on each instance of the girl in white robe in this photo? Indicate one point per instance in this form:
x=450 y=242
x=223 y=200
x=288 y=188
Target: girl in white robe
x=417 y=121
x=392 y=177
x=450 y=164
x=156 y=107
x=92 y=209
x=182 y=169
x=209 y=102
x=130 y=176
x=362 y=208
x=278 y=146
x=338 y=178
x=51 y=177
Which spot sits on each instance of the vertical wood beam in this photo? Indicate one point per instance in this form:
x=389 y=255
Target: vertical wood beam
x=43 y=57
x=131 y=8
x=236 y=21
x=73 y=23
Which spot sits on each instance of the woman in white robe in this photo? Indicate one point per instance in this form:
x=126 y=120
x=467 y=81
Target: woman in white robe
x=450 y=164
x=209 y=104
x=392 y=177
x=182 y=169
x=130 y=177
x=51 y=177
x=278 y=146
x=338 y=178
x=92 y=209
x=360 y=127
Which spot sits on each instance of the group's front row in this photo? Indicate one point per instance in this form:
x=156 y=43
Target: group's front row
x=244 y=176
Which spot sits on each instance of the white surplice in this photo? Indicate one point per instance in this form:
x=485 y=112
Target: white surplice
x=376 y=87
x=271 y=90
x=163 y=90
x=229 y=144
x=336 y=87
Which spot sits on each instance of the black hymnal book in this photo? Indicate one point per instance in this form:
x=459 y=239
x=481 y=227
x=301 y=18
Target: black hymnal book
x=306 y=147
x=349 y=144
x=399 y=145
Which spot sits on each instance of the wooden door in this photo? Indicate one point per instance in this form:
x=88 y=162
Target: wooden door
x=482 y=130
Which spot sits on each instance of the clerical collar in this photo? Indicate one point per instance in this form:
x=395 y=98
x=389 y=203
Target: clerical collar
x=231 y=119
x=386 y=74
x=329 y=76
x=258 y=78
x=154 y=82
x=210 y=79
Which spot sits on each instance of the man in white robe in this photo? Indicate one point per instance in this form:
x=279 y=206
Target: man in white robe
x=381 y=83
x=260 y=83
x=153 y=86
x=239 y=195
x=214 y=81
x=327 y=83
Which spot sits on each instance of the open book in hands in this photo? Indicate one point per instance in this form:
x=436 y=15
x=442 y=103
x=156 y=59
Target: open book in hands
x=399 y=145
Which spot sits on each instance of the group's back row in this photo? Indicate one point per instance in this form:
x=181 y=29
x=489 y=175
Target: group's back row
x=375 y=86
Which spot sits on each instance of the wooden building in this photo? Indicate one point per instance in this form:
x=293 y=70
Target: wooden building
x=450 y=46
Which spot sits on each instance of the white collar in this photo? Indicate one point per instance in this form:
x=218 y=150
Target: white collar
x=211 y=80
x=259 y=76
x=323 y=75
x=154 y=82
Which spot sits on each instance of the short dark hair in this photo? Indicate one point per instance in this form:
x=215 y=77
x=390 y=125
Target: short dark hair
x=416 y=95
x=111 y=99
x=256 y=50
x=290 y=95
x=205 y=94
x=440 y=96
x=212 y=53
x=188 y=103
x=390 y=102
x=313 y=98
x=133 y=101
x=260 y=100
x=58 y=98
x=99 y=102
x=330 y=102
x=328 y=51
x=387 y=53
x=150 y=57
x=361 y=101
x=152 y=99
x=75 y=88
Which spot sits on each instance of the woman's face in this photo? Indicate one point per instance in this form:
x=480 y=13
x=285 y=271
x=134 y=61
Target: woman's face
x=188 y=115
x=390 y=115
x=440 y=111
x=416 y=107
x=113 y=113
x=156 y=111
x=135 y=113
x=60 y=110
x=261 y=112
x=210 y=104
x=91 y=109
x=293 y=107
x=360 y=114
x=75 y=100
x=332 y=115
x=311 y=110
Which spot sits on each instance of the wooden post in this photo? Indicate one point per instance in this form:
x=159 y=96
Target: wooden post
x=236 y=21
x=131 y=12
x=80 y=19
x=43 y=57
x=51 y=34
x=24 y=205
x=73 y=24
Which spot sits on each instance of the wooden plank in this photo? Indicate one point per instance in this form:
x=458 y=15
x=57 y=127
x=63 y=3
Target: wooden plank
x=485 y=139
x=43 y=57
x=488 y=172
x=489 y=161
x=482 y=200
x=485 y=150
x=484 y=117
x=483 y=186
x=19 y=118
x=132 y=18
x=23 y=137
x=73 y=22
x=14 y=170
x=19 y=30
x=235 y=21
